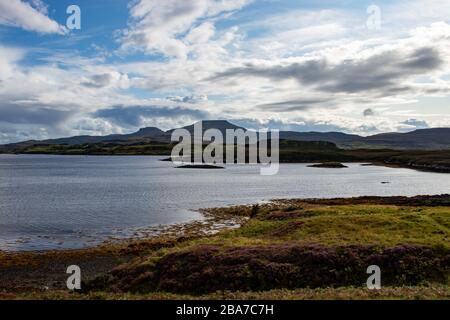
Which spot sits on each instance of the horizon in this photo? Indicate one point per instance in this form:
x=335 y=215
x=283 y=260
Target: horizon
x=230 y=122
x=302 y=66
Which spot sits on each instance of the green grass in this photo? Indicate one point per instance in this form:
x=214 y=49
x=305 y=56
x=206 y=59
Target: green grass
x=384 y=226
x=347 y=224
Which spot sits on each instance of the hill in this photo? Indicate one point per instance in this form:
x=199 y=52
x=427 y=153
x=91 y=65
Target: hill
x=423 y=139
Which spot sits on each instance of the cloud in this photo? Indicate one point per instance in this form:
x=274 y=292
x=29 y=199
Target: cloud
x=35 y=114
x=382 y=71
x=189 y=99
x=8 y=60
x=317 y=73
x=418 y=124
x=201 y=34
x=40 y=6
x=107 y=80
x=300 y=104
x=135 y=116
x=160 y=26
x=300 y=125
x=31 y=17
x=368 y=112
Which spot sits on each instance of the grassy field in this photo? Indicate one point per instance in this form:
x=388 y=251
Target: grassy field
x=292 y=249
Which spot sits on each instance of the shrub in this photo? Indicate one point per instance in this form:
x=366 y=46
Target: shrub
x=204 y=269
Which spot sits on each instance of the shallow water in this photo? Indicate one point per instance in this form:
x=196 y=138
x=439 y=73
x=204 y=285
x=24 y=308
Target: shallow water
x=49 y=202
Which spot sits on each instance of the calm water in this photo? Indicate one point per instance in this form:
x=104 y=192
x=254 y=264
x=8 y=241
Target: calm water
x=51 y=202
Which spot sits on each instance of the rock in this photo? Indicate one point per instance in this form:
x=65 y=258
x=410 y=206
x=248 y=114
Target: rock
x=200 y=166
x=328 y=165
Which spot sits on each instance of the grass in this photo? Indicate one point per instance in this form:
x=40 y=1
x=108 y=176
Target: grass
x=339 y=231
x=425 y=292
x=264 y=258
x=385 y=225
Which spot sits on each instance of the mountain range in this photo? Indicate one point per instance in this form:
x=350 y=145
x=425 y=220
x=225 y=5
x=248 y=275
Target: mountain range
x=423 y=139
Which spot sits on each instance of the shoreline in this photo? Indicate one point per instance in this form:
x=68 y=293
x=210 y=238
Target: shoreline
x=41 y=274
x=27 y=266
x=387 y=164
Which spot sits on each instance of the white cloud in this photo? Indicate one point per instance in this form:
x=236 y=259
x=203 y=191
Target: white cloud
x=410 y=13
x=198 y=48
x=160 y=26
x=8 y=59
x=201 y=34
x=31 y=17
x=40 y=6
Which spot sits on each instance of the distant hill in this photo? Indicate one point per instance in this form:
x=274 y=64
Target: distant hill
x=221 y=125
x=435 y=138
x=150 y=133
x=335 y=137
x=423 y=139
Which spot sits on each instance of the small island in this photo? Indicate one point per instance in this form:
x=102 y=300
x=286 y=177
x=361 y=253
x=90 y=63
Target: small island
x=328 y=165
x=200 y=166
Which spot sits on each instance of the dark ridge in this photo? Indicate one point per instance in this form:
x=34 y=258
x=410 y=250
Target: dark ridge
x=200 y=166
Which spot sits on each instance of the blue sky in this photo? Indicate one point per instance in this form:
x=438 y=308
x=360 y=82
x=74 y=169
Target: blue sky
x=286 y=64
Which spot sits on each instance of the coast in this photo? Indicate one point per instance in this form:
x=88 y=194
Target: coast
x=284 y=249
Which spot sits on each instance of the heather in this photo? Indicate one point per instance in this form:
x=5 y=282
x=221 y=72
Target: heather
x=205 y=269
x=284 y=249
x=300 y=244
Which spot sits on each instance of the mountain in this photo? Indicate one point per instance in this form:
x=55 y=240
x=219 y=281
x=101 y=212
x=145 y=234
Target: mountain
x=423 y=139
x=335 y=137
x=221 y=125
x=152 y=133
x=435 y=138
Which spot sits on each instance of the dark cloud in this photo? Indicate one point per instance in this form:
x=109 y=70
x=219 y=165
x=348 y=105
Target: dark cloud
x=424 y=59
x=368 y=112
x=31 y=114
x=418 y=124
x=133 y=115
x=292 y=105
x=380 y=72
x=189 y=99
x=98 y=81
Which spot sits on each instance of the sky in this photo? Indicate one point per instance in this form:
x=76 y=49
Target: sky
x=353 y=66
